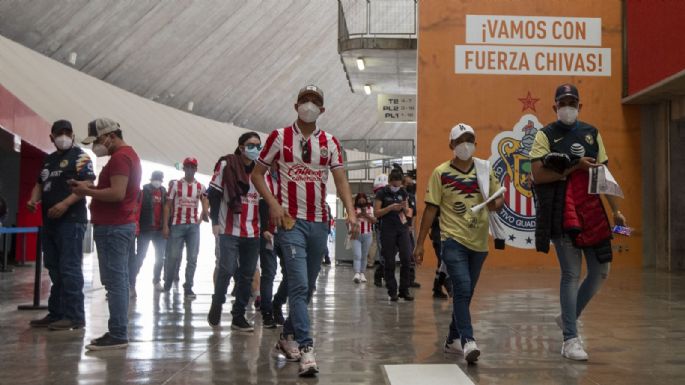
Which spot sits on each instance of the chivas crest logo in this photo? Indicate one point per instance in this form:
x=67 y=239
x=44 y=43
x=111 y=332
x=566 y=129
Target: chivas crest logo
x=511 y=165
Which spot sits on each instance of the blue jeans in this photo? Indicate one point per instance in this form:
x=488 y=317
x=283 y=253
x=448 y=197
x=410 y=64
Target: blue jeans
x=302 y=247
x=361 y=247
x=237 y=257
x=269 y=264
x=463 y=266
x=573 y=300
x=158 y=241
x=113 y=243
x=62 y=245
x=178 y=234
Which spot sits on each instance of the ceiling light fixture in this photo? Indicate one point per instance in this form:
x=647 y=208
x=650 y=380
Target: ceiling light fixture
x=360 y=64
x=367 y=89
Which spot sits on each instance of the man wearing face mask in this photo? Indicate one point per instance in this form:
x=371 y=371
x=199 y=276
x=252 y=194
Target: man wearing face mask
x=181 y=209
x=561 y=155
x=151 y=213
x=454 y=188
x=64 y=223
x=114 y=213
x=303 y=155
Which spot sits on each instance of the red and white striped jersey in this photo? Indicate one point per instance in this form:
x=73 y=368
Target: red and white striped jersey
x=245 y=224
x=364 y=224
x=186 y=199
x=303 y=166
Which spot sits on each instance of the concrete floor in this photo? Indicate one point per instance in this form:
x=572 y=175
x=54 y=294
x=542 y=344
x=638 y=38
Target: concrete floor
x=634 y=332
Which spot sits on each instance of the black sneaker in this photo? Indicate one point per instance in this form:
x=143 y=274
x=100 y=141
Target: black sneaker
x=415 y=285
x=107 y=342
x=438 y=294
x=394 y=298
x=278 y=316
x=327 y=262
x=214 y=316
x=240 y=324
x=189 y=295
x=43 y=322
x=268 y=321
x=406 y=296
x=66 y=324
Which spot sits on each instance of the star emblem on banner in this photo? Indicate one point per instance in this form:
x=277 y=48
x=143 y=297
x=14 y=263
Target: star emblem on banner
x=528 y=102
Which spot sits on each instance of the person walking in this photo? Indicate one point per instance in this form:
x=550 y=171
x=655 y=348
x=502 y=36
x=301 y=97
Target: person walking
x=361 y=239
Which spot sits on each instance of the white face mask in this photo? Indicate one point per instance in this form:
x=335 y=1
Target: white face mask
x=395 y=189
x=464 y=150
x=63 y=142
x=308 y=112
x=100 y=150
x=567 y=115
x=156 y=183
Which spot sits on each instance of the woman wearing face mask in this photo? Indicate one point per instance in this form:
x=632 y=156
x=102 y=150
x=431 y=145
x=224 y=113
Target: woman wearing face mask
x=392 y=209
x=234 y=212
x=454 y=188
x=361 y=238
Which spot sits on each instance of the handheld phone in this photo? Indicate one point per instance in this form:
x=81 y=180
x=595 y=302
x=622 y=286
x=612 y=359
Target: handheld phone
x=622 y=230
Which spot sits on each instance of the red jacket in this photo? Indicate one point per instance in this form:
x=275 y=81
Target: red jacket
x=584 y=217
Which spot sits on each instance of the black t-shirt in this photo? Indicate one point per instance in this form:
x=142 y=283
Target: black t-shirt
x=387 y=198
x=57 y=169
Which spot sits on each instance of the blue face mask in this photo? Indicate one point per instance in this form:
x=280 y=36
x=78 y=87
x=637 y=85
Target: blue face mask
x=252 y=153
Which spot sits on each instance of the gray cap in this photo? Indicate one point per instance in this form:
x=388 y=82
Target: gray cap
x=157 y=175
x=99 y=127
x=310 y=89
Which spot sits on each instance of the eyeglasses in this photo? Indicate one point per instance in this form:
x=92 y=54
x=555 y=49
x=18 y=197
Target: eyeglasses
x=252 y=146
x=306 y=153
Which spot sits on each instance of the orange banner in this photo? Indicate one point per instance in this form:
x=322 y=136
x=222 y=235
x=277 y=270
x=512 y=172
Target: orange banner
x=495 y=65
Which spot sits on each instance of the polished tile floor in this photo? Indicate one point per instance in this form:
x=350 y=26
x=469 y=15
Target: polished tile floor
x=634 y=332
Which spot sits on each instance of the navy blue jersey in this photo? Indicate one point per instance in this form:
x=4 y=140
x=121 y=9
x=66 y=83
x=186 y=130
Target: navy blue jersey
x=57 y=169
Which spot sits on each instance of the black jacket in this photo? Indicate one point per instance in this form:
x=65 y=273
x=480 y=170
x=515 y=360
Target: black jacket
x=147 y=212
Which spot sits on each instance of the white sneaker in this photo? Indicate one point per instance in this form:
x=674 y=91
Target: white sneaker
x=159 y=287
x=452 y=348
x=471 y=351
x=308 y=362
x=573 y=350
x=289 y=348
x=362 y=277
x=356 y=278
x=560 y=323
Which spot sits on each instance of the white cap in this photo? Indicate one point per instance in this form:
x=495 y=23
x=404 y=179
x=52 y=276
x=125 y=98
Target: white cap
x=380 y=181
x=461 y=129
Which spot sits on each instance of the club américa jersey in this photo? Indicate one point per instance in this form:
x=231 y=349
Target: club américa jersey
x=302 y=166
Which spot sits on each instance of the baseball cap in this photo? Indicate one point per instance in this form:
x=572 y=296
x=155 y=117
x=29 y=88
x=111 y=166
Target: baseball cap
x=99 y=127
x=190 y=160
x=461 y=129
x=157 y=175
x=380 y=181
x=310 y=89
x=566 y=89
x=60 y=125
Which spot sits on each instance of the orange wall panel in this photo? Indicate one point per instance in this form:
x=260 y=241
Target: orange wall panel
x=499 y=105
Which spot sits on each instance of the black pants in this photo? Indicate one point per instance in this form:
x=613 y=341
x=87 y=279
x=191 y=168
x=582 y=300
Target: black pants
x=392 y=241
